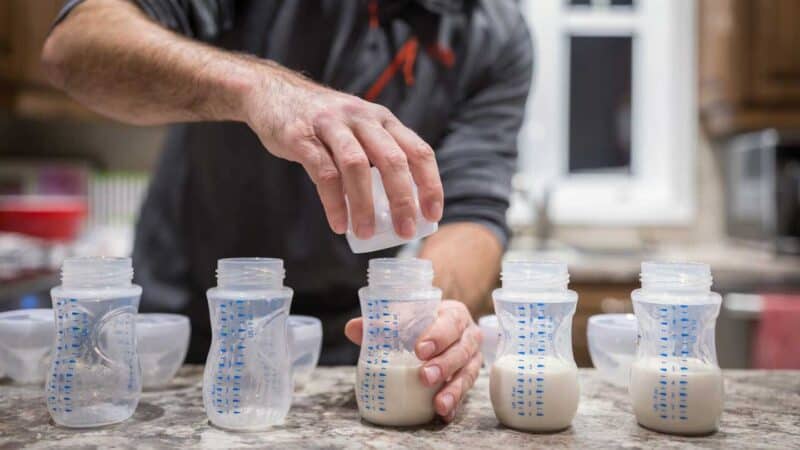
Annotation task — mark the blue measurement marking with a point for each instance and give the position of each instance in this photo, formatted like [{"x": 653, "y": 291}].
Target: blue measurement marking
[
  {"x": 382, "y": 337},
  {"x": 224, "y": 384},
  {"x": 72, "y": 326},
  {"x": 533, "y": 336}
]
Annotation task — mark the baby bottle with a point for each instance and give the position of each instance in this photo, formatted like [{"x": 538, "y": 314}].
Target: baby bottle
[
  {"x": 676, "y": 384},
  {"x": 533, "y": 383},
  {"x": 247, "y": 382},
  {"x": 385, "y": 236},
  {"x": 397, "y": 305},
  {"x": 94, "y": 376}
]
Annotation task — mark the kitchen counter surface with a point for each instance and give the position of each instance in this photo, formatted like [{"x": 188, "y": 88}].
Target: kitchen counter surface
[{"x": 762, "y": 410}]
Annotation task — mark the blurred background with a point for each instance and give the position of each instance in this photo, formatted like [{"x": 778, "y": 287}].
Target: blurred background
[{"x": 656, "y": 129}]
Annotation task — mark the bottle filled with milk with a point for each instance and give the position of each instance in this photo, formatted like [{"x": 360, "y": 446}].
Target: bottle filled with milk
[
  {"x": 397, "y": 305},
  {"x": 533, "y": 382},
  {"x": 676, "y": 384}
]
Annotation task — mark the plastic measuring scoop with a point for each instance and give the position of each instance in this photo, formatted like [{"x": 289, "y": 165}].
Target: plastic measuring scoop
[
  {"x": 26, "y": 341},
  {"x": 384, "y": 236}
]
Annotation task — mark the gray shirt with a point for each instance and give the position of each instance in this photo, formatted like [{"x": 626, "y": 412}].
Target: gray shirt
[{"x": 218, "y": 193}]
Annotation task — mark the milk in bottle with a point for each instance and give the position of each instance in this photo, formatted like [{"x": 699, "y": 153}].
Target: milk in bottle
[
  {"x": 676, "y": 385},
  {"x": 397, "y": 305},
  {"x": 534, "y": 381}
]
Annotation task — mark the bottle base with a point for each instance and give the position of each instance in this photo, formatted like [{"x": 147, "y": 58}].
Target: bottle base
[
  {"x": 403, "y": 423},
  {"x": 537, "y": 430},
  {"x": 245, "y": 428},
  {"x": 675, "y": 432},
  {"x": 95, "y": 416}
]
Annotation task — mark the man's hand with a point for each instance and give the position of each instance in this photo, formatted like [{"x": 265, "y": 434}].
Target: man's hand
[
  {"x": 111, "y": 57},
  {"x": 335, "y": 136},
  {"x": 450, "y": 351}
]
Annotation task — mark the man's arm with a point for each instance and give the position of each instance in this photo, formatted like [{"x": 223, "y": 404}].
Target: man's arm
[
  {"x": 110, "y": 56},
  {"x": 466, "y": 260},
  {"x": 477, "y": 159}
]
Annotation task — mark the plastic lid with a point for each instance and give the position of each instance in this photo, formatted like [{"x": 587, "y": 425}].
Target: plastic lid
[
  {"x": 148, "y": 324},
  {"x": 154, "y": 320},
  {"x": 489, "y": 322},
  {"x": 614, "y": 323},
  {"x": 24, "y": 317},
  {"x": 304, "y": 327}
]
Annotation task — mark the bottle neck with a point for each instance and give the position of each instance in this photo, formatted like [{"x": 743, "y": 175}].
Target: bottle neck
[
  {"x": 96, "y": 272},
  {"x": 683, "y": 277},
  {"x": 400, "y": 272},
  {"x": 250, "y": 273},
  {"x": 534, "y": 276}
]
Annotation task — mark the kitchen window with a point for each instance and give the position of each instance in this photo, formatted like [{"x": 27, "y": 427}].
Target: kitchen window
[{"x": 610, "y": 129}]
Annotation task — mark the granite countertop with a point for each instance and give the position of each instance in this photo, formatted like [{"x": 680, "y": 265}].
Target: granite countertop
[{"x": 762, "y": 410}]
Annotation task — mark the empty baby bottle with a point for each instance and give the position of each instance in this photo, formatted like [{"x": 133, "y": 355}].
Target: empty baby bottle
[
  {"x": 533, "y": 383},
  {"x": 397, "y": 305},
  {"x": 247, "y": 381},
  {"x": 676, "y": 385},
  {"x": 385, "y": 236},
  {"x": 94, "y": 375}
]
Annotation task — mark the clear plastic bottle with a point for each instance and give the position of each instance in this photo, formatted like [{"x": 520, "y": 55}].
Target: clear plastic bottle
[
  {"x": 676, "y": 384},
  {"x": 94, "y": 376},
  {"x": 533, "y": 383},
  {"x": 397, "y": 305},
  {"x": 384, "y": 236},
  {"x": 247, "y": 382}
]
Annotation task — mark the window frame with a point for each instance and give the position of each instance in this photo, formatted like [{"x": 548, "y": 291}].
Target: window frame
[{"x": 659, "y": 189}]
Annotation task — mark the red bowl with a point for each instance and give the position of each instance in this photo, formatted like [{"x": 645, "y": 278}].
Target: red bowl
[{"x": 47, "y": 217}]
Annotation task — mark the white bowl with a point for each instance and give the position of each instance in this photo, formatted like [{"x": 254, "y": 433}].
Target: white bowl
[
  {"x": 162, "y": 342},
  {"x": 612, "y": 346},
  {"x": 490, "y": 328},
  {"x": 305, "y": 343},
  {"x": 26, "y": 343}
]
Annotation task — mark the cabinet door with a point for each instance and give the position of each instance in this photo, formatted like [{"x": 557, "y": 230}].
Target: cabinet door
[
  {"x": 776, "y": 52},
  {"x": 5, "y": 39}
]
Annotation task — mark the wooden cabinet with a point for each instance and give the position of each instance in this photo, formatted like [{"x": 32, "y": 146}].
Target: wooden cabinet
[
  {"x": 24, "y": 26},
  {"x": 749, "y": 64}
]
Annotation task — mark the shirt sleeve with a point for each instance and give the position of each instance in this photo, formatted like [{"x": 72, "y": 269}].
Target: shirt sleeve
[
  {"x": 478, "y": 155},
  {"x": 199, "y": 19}
]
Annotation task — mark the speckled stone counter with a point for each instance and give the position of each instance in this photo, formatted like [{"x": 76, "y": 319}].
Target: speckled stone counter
[{"x": 762, "y": 410}]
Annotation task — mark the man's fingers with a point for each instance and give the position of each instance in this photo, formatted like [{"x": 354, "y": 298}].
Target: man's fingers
[
  {"x": 323, "y": 172},
  {"x": 309, "y": 151},
  {"x": 392, "y": 163},
  {"x": 422, "y": 161},
  {"x": 453, "y": 359},
  {"x": 450, "y": 396},
  {"x": 453, "y": 318},
  {"x": 353, "y": 166},
  {"x": 354, "y": 329}
]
